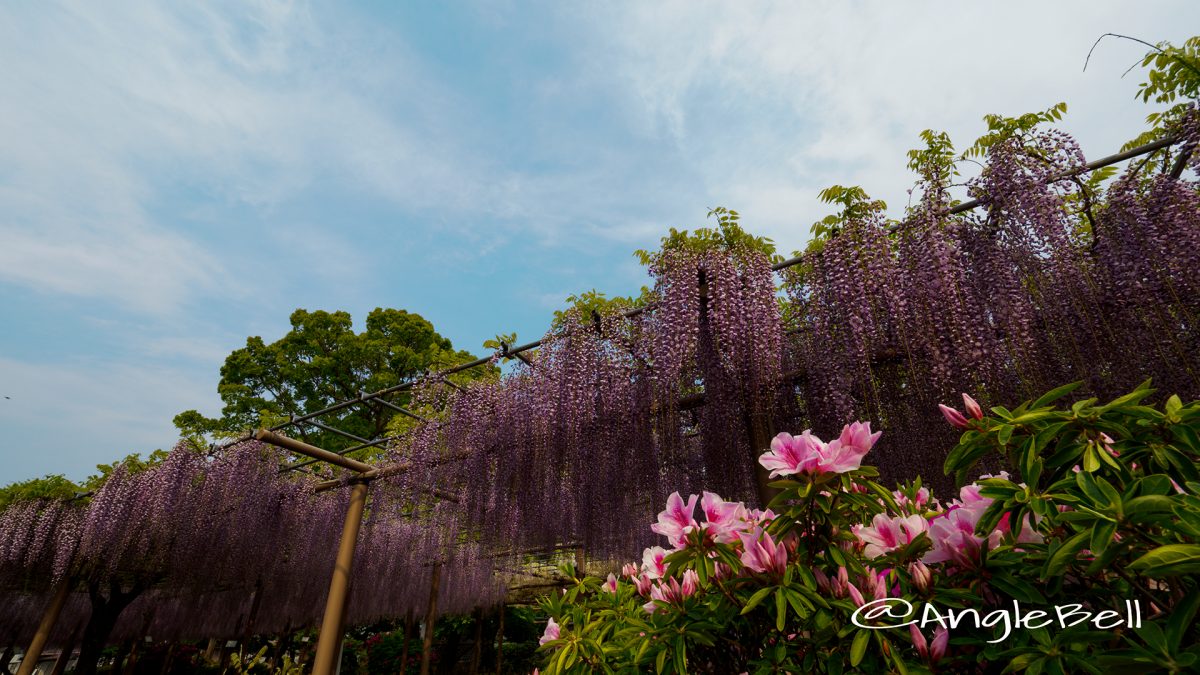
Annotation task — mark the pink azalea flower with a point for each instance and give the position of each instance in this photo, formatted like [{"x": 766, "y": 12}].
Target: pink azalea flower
[
  {"x": 761, "y": 553},
  {"x": 676, "y": 520},
  {"x": 808, "y": 455},
  {"x": 792, "y": 454},
  {"x": 653, "y": 562},
  {"x": 953, "y": 536},
  {"x": 551, "y": 632},
  {"x": 857, "y": 437},
  {"x": 724, "y": 519},
  {"x": 888, "y": 534},
  {"x": 610, "y": 585},
  {"x": 670, "y": 591},
  {"x": 629, "y": 570},
  {"x": 760, "y": 517}
]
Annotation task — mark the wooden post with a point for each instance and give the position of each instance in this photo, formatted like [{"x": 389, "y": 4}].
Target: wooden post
[
  {"x": 30, "y": 659},
  {"x": 500, "y": 640},
  {"x": 580, "y": 563},
  {"x": 430, "y": 617},
  {"x": 210, "y": 654},
  {"x": 408, "y": 631},
  {"x": 335, "y": 605}
]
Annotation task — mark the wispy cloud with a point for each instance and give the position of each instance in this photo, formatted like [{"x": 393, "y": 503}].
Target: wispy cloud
[
  {"x": 771, "y": 102},
  {"x": 67, "y": 417}
]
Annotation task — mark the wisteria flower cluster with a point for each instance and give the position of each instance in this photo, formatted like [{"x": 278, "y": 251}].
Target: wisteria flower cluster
[{"x": 1098, "y": 516}]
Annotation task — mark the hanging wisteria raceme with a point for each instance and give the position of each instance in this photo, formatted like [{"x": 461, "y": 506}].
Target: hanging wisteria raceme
[
  {"x": 884, "y": 321},
  {"x": 220, "y": 547},
  {"x": 1041, "y": 288}
]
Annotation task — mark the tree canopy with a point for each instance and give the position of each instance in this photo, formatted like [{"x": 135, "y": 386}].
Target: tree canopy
[{"x": 320, "y": 361}]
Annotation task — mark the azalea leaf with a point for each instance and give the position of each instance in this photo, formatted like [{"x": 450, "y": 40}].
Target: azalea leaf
[
  {"x": 1169, "y": 560},
  {"x": 858, "y": 648},
  {"x": 1054, "y": 394},
  {"x": 1065, "y": 554}
]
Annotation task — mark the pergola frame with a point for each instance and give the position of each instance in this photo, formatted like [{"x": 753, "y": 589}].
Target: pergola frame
[{"x": 332, "y": 625}]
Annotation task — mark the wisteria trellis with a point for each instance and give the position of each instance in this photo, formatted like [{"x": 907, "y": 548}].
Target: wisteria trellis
[{"x": 883, "y": 323}]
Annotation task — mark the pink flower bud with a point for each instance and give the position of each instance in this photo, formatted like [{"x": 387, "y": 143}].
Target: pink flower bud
[
  {"x": 610, "y": 585},
  {"x": 937, "y": 649},
  {"x": 972, "y": 407},
  {"x": 855, "y": 595},
  {"x": 691, "y": 581},
  {"x": 644, "y": 584},
  {"x": 822, "y": 580},
  {"x": 629, "y": 570},
  {"x": 953, "y": 416},
  {"x": 921, "y": 576},
  {"x": 919, "y": 641}
]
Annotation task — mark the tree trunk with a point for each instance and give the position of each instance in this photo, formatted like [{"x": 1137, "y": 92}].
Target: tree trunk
[
  {"x": 477, "y": 654},
  {"x": 105, "y": 612},
  {"x": 123, "y": 653},
  {"x": 408, "y": 631},
  {"x": 500, "y": 640}
]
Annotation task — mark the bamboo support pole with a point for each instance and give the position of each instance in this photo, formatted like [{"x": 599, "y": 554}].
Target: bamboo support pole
[
  {"x": 311, "y": 451},
  {"x": 30, "y": 660},
  {"x": 435, "y": 578},
  {"x": 335, "y": 605}
]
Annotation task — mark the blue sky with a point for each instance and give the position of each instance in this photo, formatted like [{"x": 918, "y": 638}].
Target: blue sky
[{"x": 177, "y": 176}]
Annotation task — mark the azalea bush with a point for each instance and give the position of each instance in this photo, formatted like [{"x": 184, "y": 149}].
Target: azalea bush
[{"x": 1082, "y": 557}]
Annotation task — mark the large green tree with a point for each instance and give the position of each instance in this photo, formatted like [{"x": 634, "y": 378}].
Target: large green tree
[{"x": 320, "y": 361}]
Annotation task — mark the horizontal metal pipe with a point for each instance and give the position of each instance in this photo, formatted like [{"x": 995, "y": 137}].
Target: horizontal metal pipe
[
  {"x": 300, "y": 447},
  {"x": 401, "y": 410},
  {"x": 339, "y": 432}
]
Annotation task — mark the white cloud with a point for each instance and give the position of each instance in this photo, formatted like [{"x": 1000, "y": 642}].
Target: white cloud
[
  {"x": 112, "y": 114},
  {"x": 771, "y": 102},
  {"x": 68, "y": 417}
]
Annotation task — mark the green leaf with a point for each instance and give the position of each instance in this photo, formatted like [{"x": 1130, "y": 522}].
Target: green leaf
[
  {"x": 1055, "y": 394},
  {"x": 1004, "y": 432},
  {"x": 755, "y": 599},
  {"x": 1180, "y": 619},
  {"x": 1169, "y": 560},
  {"x": 1018, "y": 588},
  {"x": 858, "y": 648},
  {"x": 1064, "y": 555},
  {"x": 780, "y": 609},
  {"x": 1102, "y": 535},
  {"x": 1148, "y": 505}
]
